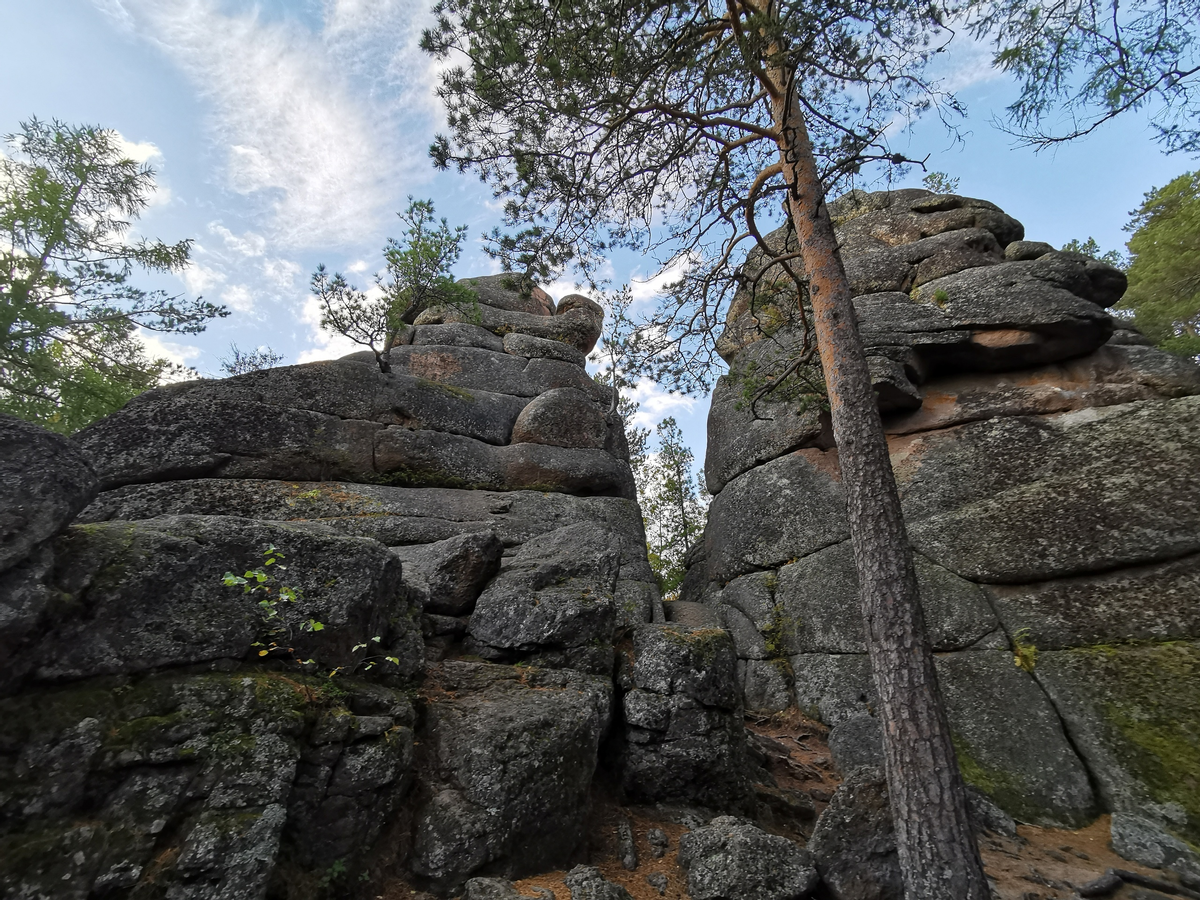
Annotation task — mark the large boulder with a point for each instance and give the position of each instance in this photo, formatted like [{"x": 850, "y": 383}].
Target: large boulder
[
  {"x": 730, "y": 859},
  {"x": 507, "y": 756},
  {"x": 563, "y": 417},
  {"x": 552, "y": 603},
  {"x": 854, "y": 842},
  {"x": 124, "y": 598},
  {"x": 1008, "y": 735},
  {"x": 446, "y": 577},
  {"x": 45, "y": 480},
  {"x": 1027, "y": 498},
  {"x": 1133, "y": 712},
  {"x": 196, "y": 786},
  {"x": 785, "y": 509},
  {"x": 683, "y": 738}
]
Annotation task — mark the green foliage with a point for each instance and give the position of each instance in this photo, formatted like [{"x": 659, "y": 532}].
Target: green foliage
[
  {"x": 68, "y": 311},
  {"x": 940, "y": 183},
  {"x": 1084, "y": 62},
  {"x": 268, "y": 592},
  {"x": 1090, "y": 248},
  {"x": 1164, "y": 269},
  {"x": 672, "y": 510},
  {"x": 416, "y": 276},
  {"x": 239, "y": 362}
]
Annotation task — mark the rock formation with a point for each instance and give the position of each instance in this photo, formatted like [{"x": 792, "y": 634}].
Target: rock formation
[
  {"x": 318, "y": 623},
  {"x": 1046, "y": 457}
]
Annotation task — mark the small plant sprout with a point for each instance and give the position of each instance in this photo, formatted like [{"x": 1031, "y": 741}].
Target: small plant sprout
[
  {"x": 264, "y": 585},
  {"x": 1025, "y": 654}
]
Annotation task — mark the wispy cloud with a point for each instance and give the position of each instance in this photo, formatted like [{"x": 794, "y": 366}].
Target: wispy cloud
[{"x": 307, "y": 118}]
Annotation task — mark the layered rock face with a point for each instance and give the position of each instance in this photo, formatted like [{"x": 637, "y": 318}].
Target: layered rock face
[
  {"x": 1046, "y": 458},
  {"x": 319, "y": 622}
]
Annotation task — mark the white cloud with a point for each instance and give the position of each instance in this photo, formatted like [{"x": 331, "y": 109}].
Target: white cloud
[
  {"x": 248, "y": 244},
  {"x": 654, "y": 286},
  {"x": 656, "y": 404},
  {"x": 282, "y": 273},
  {"x": 199, "y": 278},
  {"x": 239, "y": 298},
  {"x": 300, "y": 129},
  {"x": 157, "y": 348}
]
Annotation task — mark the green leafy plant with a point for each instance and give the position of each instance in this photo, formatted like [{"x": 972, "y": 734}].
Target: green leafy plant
[{"x": 262, "y": 584}]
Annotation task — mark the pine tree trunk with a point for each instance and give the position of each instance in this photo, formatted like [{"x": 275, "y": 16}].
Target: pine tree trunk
[{"x": 938, "y": 854}]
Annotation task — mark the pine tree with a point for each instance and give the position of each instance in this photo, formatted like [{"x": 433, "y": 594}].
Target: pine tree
[{"x": 648, "y": 123}]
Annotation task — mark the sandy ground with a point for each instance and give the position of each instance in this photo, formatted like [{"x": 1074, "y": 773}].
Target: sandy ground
[{"x": 1038, "y": 864}]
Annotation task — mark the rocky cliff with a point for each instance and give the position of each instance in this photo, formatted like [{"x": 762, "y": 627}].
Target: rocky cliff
[
  {"x": 274, "y": 634},
  {"x": 1046, "y": 457}
]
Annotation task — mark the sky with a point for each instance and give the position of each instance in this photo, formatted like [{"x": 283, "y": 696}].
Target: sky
[{"x": 288, "y": 133}]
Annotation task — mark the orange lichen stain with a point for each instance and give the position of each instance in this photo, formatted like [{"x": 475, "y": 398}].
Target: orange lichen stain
[
  {"x": 433, "y": 364},
  {"x": 1005, "y": 337},
  {"x": 824, "y": 461}
]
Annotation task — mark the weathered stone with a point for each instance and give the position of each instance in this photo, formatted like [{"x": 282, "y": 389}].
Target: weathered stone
[
  {"x": 730, "y": 859},
  {"x": 626, "y": 847},
  {"x": 819, "y": 600},
  {"x": 111, "y": 615},
  {"x": 742, "y": 435},
  {"x": 563, "y": 417},
  {"x": 902, "y": 267},
  {"x": 854, "y": 843},
  {"x": 1020, "y": 250},
  {"x": 1010, "y": 740},
  {"x": 491, "y": 889},
  {"x": 45, "y": 480},
  {"x": 1142, "y": 840},
  {"x": 555, "y": 595},
  {"x": 1027, "y": 499},
  {"x": 866, "y": 222},
  {"x": 586, "y": 883},
  {"x": 447, "y": 577},
  {"x": 1023, "y": 313},
  {"x": 574, "y": 325},
  {"x": 766, "y": 684},
  {"x": 457, "y": 335},
  {"x": 1133, "y": 712},
  {"x": 684, "y": 740},
  {"x": 474, "y": 369},
  {"x": 1155, "y": 602},
  {"x": 690, "y": 615},
  {"x": 511, "y": 753},
  {"x": 1031, "y": 771},
  {"x": 433, "y": 459},
  {"x": 511, "y": 292},
  {"x": 316, "y": 420},
  {"x": 1110, "y": 376},
  {"x": 783, "y": 510},
  {"x": 856, "y": 742},
  {"x": 194, "y": 785},
  {"x": 542, "y": 348},
  {"x": 391, "y": 515}
]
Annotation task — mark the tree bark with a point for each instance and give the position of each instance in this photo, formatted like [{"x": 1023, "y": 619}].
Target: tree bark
[{"x": 939, "y": 857}]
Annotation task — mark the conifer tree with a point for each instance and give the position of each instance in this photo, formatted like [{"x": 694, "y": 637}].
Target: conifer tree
[{"x": 660, "y": 123}]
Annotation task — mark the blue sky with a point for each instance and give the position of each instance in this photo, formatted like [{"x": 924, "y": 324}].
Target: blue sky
[{"x": 289, "y": 132}]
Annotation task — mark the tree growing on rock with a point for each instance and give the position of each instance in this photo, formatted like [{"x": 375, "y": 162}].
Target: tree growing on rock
[
  {"x": 660, "y": 124},
  {"x": 69, "y": 313},
  {"x": 416, "y": 275}
]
